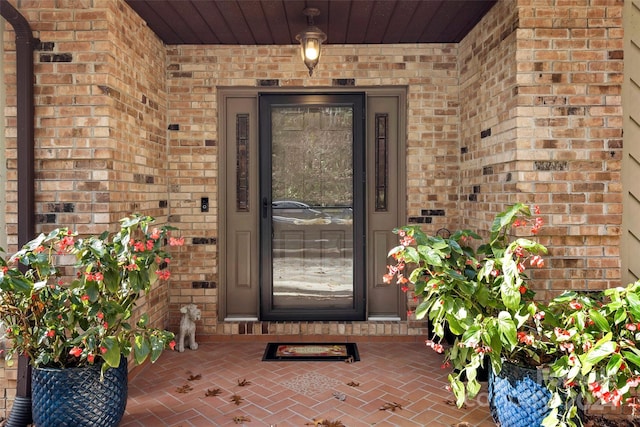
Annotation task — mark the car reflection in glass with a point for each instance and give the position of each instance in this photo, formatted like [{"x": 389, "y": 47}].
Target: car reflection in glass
[{"x": 294, "y": 212}]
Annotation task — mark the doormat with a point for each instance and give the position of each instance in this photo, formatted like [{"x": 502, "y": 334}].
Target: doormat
[{"x": 277, "y": 351}]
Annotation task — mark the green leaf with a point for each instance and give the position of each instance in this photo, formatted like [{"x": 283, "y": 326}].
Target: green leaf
[
  {"x": 112, "y": 355},
  {"x": 634, "y": 304},
  {"x": 599, "y": 320},
  {"x": 140, "y": 349},
  {"x": 614, "y": 364},
  {"x": 603, "y": 348},
  {"x": 157, "y": 346},
  {"x": 620, "y": 316},
  {"x": 633, "y": 357},
  {"x": 507, "y": 329},
  {"x": 551, "y": 420},
  {"x": 422, "y": 309},
  {"x": 473, "y": 387},
  {"x": 458, "y": 390},
  {"x": 430, "y": 255}
]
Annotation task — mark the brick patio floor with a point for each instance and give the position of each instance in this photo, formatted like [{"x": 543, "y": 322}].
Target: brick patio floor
[{"x": 297, "y": 393}]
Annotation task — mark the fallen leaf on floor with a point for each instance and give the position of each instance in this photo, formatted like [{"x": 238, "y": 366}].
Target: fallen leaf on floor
[
  {"x": 325, "y": 423},
  {"x": 390, "y": 406},
  {"x": 353, "y": 384},
  {"x": 462, "y": 424},
  {"x": 452, "y": 403},
  {"x": 194, "y": 377},
  {"x": 212, "y": 392},
  {"x": 241, "y": 419},
  {"x": 340, "y": 396},
  {"x": 184, "y": 389},
  {"x": 236, "y": 399},
  {"x": 243, "y": 382}
]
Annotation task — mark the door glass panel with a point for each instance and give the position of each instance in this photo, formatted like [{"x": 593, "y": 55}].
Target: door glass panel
[{"x": 312, "y": 207}]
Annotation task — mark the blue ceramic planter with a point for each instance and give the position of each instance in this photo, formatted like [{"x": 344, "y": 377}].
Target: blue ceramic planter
[{"x": 75, "y": 397}]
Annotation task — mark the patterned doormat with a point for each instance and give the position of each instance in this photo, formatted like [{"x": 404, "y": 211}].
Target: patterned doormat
[{"x": 311, "y": 352}]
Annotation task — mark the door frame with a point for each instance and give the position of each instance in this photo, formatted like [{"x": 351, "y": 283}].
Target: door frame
[
  {"x": 227, "y": 92},
  {"x": 356, "y": 100}
]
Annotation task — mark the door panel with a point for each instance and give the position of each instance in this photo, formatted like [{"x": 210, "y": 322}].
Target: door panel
[
  {"x": 241, "y": 236},
  {"x": 385, "y": 201},
  {"x": 313, "y": 209}
]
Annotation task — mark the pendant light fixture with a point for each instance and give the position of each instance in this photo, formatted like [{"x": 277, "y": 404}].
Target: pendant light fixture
[{"x": 311, "y": 40}]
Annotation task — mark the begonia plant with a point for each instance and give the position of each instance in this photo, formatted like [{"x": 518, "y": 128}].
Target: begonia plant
[
  {"x": 68, "y": 301},
  {"x": 479, "y": 293}
]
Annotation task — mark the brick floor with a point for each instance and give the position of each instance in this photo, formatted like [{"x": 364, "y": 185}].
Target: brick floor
[{"x": 297, "y": 393}]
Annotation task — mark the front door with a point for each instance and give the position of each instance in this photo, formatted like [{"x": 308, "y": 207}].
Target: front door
[
  {"x": 312, "y": 263},
  {"x": 306, "y": 207}
]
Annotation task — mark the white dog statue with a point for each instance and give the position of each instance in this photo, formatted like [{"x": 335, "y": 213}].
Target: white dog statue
[{"x": 190, "y": 314}]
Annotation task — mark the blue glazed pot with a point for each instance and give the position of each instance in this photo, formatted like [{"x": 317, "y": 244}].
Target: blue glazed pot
[
  {"x": 75, "y": 397},
  {"x": 518, "y": 396}
]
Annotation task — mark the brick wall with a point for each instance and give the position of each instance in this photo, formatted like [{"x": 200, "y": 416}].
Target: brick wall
[{"x": 193, "y": 74}]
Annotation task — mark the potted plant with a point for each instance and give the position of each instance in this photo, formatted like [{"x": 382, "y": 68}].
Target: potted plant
[
  {"x": 584, "y": 345},
  {"x": 67, "y": 302}
]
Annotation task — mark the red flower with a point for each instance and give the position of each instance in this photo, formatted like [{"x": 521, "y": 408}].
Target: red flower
[
  {"x": 524, "y": 338},
  {"x": 103, "y": 350},
  {"x": 51, "y": 333},
  {"x": 90, "y": 357},
  {"x": 172, "y": 345},
  {"x": 575, "y": 305},
  {"x": 75, "y": 351},
  {"x": 84, "y": 297},
  {"x": 523, "y": 289}
]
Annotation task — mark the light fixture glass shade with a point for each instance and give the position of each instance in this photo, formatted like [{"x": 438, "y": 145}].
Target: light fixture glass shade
[{"x": 311, "y": 40}]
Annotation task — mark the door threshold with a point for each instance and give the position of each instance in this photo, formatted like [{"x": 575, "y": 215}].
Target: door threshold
[{"x": 384, "y": 319}]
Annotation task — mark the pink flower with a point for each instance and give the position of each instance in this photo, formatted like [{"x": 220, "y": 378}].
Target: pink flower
[
  {"x": 407, "y": 241},
  {"x": 173, "y": 241},
  {"x": 537, "y": 261},
  {"x": 163, "y": 274},
  {"x": 75, "y": 351},
  {"x": 155, "y": 234},
  {"x": 437, "y": 347}
]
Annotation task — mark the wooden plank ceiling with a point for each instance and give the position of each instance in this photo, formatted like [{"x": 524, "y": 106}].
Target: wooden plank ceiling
[{"x": 276, "y": 22}]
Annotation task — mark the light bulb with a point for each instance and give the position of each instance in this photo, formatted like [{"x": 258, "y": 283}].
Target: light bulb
[{"x": 311, "y": 50}]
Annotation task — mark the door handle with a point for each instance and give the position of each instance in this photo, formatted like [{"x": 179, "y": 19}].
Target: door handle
[{"x": 265, "y": 207}]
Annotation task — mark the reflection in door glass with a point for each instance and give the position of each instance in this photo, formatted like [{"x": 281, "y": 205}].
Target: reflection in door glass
[{"x": 312, "y": 209}]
